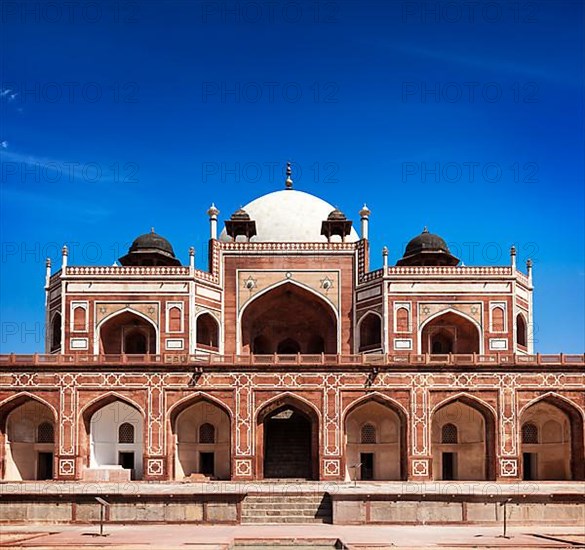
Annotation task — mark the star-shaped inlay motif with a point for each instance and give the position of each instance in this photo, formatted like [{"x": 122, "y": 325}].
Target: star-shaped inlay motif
[
  {"x": 326, "y": 284},
  {"x": 250, "y": 283}
]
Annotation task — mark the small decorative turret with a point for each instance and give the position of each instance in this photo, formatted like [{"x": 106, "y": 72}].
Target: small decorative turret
[
  {"x": 288, "y": 183},
  {"x": 192, "y": 257},
  {"x": 47, "y": 272},
  {"x": 336, "y": 224},
  {"x": 213, "y": 212},
  {"x": 529, "y": 270},
  {"x": 513, "y": 258},
  {"x": 365, "y": 217},
  {"x": 240, "y": 223},
  {"x": 64, "y": 254},
  {"x": 385, "y": 258}
]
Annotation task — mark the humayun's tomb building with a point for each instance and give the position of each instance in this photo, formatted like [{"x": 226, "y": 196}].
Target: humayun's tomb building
[{"x": 289, "y": 359}]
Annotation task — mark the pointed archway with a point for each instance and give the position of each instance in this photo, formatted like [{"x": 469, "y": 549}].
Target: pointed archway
[
  {"x": 200, "y": 441},
  {"x": 27, "y": 435},
  {"x": 551, "y": 438},
  {"x": 375, "y": 440},
  {"x": 450, "y": 332},
  {"x": 463, "y": 440},
  {"x": 287, "y": 439},
  {"x": 127, "y": 332},
  {"x": 288, "y": 319},
  {"x": 111, "y": 436}
]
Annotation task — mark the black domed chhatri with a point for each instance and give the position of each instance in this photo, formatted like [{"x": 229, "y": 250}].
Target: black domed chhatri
[
  {"x": 150, "y": 249},
  {"x": 427, "y": 249}
]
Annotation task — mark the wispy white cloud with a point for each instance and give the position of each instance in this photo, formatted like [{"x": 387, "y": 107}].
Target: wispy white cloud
[
  {"x": 58, "y": 170},
  {"x": 484, "y": 62},
  {"x": 28, "y": 200}
]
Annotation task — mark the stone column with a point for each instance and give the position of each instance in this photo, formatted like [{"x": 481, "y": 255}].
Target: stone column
[
  {"x": 508, "y": 450},
  {"x": 155, "y": 448},
  {"x": 243, "y": 444},
  {"x": 419, "y": 454}
]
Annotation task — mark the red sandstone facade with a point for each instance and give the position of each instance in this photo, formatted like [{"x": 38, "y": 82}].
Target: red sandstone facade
[{"x": 290, "y": 359}]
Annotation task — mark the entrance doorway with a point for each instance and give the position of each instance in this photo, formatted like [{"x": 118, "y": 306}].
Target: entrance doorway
[
  {"x": 126, "y": 460},
  {"x": 206, "y": 463},
  {"x": 287, "y": 445},
  {"x": 45, "y": 466},
  {"x": 367, "y": 468},
  {"x": 529, "y": 466},
  {"x": 449, "y": 466}
]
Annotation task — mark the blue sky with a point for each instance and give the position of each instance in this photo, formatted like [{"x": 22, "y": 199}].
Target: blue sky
[{"x": 464, "y": 117}]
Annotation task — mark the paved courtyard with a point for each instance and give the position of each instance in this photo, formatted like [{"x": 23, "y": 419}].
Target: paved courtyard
[
  {"x": 476, "y": 488},
  {"x": 171, "y": 537}
]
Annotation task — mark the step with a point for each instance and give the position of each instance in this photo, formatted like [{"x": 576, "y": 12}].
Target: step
[
  {"x": 284, "y": 513},
  {"x": 284, "y": 519},
  {"x": 274, "y": 508},
  {"x": 286, "y": 507},
  {"x": 275, "y": 497},
  {"x": 284, "y": 498},
  {"x": 269, "y": 505}
]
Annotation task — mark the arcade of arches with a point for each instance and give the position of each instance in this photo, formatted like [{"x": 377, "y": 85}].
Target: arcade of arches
[
  {"x": 289, "y": 439},
  {"x": 289, "y": 320}
]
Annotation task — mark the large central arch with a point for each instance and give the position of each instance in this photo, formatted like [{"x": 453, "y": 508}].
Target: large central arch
[
  {"x": 287, "y": 439},
  {"x": 288, "y": 319},
  {"x": 450, "y": 332},
  {"x": 127, "y": 331}
]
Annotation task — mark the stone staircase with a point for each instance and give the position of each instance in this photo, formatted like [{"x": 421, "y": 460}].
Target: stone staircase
[{"x": 282, "y": 508}]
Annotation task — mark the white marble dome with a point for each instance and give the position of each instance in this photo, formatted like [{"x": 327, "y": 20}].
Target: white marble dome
[{"x": 289, "y": 216}]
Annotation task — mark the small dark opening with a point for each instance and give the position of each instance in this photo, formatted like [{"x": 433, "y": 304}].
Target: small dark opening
[
  {"x": 126, "y": 460},
  {"x": 448, "y": 466},
  {"x": 45, "y": 466},
  {"x": 206, "y": 463},
  {"x": 367, "y": 468},
  {"x": 529, "y": 466},
  {"x": 135, "y": 343},
  {"x": 288, "y": 347}
]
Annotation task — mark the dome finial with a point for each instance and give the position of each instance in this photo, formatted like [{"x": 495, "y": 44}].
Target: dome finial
[
  {"x": 425, "y": 229},
  {"x": 288, "y": 183},
  {"x": 152, "y": 230}
]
